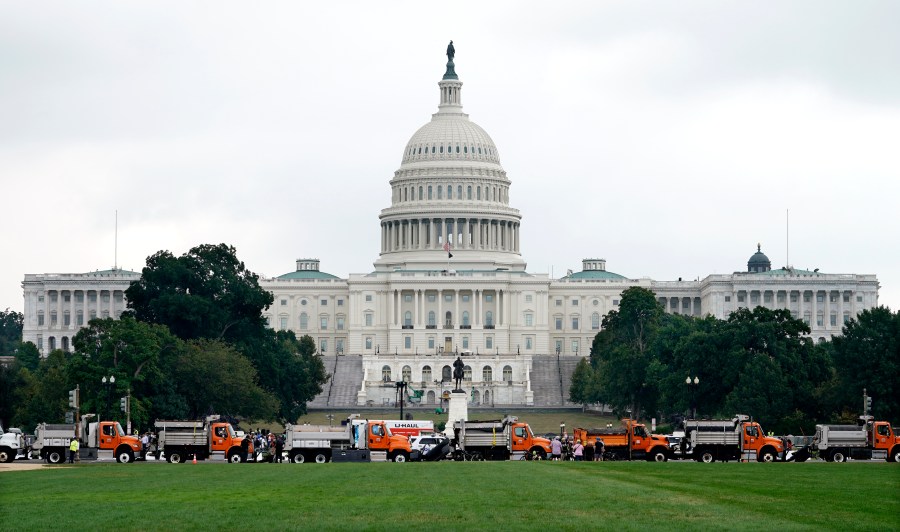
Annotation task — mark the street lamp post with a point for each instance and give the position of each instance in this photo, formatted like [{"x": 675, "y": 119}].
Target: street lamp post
[
  {"x": 692, "y": 383},
  {"x": 109, "y": 384}
]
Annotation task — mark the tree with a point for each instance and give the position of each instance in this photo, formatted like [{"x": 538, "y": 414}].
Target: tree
[
  {"x": 582, "y": 389},
  {"x": 28, "y": 355},
  {"x": 868, "y": 356},
  {"x": 43, "y": 396},
  {"x": 10, "y": 331},
  {"x": 621, "y": 352},
  {"x": 205, "y": 293},
  {"x": 215, "y": 379},
  {"x": 139, "y": 355},
  {"x": 209, "y": 294},
  {"x": 289, "y": 369}
]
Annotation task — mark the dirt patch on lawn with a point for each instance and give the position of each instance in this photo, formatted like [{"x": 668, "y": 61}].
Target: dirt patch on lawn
[{"x": 22, "y": 466}]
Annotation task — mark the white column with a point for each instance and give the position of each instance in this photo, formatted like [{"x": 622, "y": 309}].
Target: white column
[
  {"x": 456, "y": 317},
  {"x": 476, "y": 307}
]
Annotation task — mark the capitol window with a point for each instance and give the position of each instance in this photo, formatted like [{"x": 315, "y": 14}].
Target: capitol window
[
  {"x": 528, "y": 298},
  {"x": 529, "y": 319},
  {"x": 340, "y": 323},
  {"x": 340, "y": 302},
  {"x": 448, "y": 297},
  {"x": 529, "y": 343},
  {"x": 303, "y": 302},
  {"x": 465, "y": 342},
  {"x": 559, "y": 324},
  {"x": 574, "y": 302},
  {"x": 368, "y": 319},
  {"x": 324, "y": 302},
  {"x": 407, "y": 297},
  {"x": 457, "y": 148},
  {"x": 429, "y": 191},
  {"x": 283, "y": 302},
  {"x": 595, "y": 321},
  {"x": 431, "y": 298},
  {"x": 559, "y": 302},
  {"x": 489, "y": 298},
  {"x": 368, "y": 342},
  {"x": 368, "y": 297},
  {"x": 859, "y": 299},
  {"x": 469, "y": 192},
  {"x": 489, "y": 342},
  {"x": 465, "y": 298},
  {"x": 323, "y": 322}
]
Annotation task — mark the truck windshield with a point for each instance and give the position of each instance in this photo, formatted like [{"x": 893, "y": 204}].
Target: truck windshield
[
  {"x": 119, "y": 430},
  {"x": 641, "y": 432}
]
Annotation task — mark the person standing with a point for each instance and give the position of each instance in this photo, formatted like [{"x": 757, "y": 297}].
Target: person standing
[
  {"x": 279, "y": 447},
  {"x": 555, "y": 449},
  {"x": 73, "y": 450},
  {"x": 598, "y": 450},
  {"x": 578, "y": 451},
  {"x": 145, "y": 444}
]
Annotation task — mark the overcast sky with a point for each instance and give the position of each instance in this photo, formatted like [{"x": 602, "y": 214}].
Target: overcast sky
[{"x": 666, "y": 137}]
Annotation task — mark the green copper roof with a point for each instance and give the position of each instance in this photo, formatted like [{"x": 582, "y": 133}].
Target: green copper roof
[
  {"x": 595, "y": 274},
  {"x": 792, "y": 271},
  {"x": 307, "y": 274},
  {"x": 116, "y": 271}
]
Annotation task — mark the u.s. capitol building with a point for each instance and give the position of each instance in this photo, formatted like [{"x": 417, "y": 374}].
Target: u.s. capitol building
[{"x": 519, "y": 333}]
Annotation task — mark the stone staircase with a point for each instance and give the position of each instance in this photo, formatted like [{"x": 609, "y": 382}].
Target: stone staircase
[
  {"x": 551, "y": 377},
  {"x": 346, "y": 374}
]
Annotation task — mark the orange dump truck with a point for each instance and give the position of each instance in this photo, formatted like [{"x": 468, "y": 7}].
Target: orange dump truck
[
  {"x": 870, "y": 440},
  {"x": 709, "y": 440},
  {"x": 183, "y": 440},
  {"x": 356, "y": 440},
  {"x": 496, "y": 440},
  {"x": 105, "y": 439},
  {"x": 628, "y": 442}
]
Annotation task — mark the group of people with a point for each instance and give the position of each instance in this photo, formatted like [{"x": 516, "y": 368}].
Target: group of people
[
  {"x": 267, "y": 445},
  {"x": 564, "y": 448}
]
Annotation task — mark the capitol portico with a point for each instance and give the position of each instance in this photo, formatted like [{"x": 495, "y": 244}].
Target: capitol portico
[{"x": 451, "y": 280}]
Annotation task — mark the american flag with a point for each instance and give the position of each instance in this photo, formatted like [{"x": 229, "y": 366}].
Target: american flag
[{"x": 447, "y": 249}]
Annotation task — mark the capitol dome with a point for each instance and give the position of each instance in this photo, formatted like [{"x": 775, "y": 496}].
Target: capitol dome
[{"x": 450, "y": 197}]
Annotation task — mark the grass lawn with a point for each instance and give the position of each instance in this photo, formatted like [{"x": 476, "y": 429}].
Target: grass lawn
[{"x": 454, "y": 496}]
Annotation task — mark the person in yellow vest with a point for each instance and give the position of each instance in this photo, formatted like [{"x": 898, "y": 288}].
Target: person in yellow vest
[{"x": 73, "y": 450}]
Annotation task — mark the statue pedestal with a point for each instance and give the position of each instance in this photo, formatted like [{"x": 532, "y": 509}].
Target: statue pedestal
[{"x": 457, "y": 410}]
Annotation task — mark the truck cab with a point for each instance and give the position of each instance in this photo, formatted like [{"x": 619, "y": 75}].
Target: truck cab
[
  {"x": 768, "y": 448},
  {"x": 524, "y": 440},
  {"x": 222, "y": 438},
  {"x": 884, "y": 438},
  {"x": 377, "y": 436},
  {"x": 109, "y": 436}
]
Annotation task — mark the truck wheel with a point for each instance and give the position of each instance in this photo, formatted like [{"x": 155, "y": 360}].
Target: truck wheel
[
  {"x": 7, "y": 455},
  {"x": 298, "y": 458},
  {"x": 657, "y": 455},
  {"x": 895, "y": 454},
  {"x": 54, "y": 457},
  {"x": 321, "y": 458},
  {"x": 401, "y": 457},
  {"x": 838, "y": 456},
  {"x": 234, "y": 457},
  {"x": 767, "y": 456},
  {"x": 707, "y": 457},
  {"x": 175, "y": 457},
  {"x": 124, "y": 456}
]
